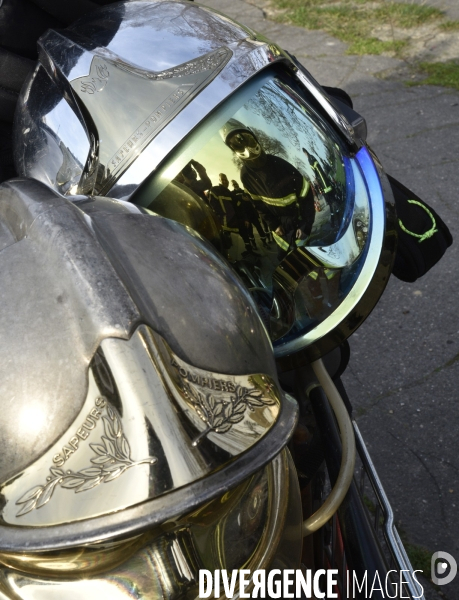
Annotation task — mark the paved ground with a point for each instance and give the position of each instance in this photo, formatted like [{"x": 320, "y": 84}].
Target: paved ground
[{"x": 404, "y": 371}]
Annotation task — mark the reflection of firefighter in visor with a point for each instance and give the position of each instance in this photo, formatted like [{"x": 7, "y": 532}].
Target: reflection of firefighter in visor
[
  {"x": 229, "y": 212},
  {"x": 189, "y": 177},
  {"x": 324, "y": 187},
  {"x": 283, "y": 196}
]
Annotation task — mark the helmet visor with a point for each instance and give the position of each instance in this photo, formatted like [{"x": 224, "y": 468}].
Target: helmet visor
[{"x": 297, "y": 224}]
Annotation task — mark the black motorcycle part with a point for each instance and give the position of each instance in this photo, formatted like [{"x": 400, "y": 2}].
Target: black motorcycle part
[
  {"x": 337, "y": 360},
  {"x": 340, "y": 95}
]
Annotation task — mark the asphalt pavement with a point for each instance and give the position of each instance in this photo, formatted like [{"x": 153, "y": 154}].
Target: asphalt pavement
[{"x": 404, "y": 370}]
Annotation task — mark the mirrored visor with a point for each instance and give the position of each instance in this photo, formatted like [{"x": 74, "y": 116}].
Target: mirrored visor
[{"x": 269, "y": 183}]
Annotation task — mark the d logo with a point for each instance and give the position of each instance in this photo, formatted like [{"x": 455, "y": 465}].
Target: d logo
[{"x": 441, "y": 563}]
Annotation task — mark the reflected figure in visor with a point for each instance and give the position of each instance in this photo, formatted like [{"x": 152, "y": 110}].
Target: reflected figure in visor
[
  {"x": 251, "y": 215},
  {"x": 323, "y": 185},
  {"x": 189, "y": 177},
  {"x": 282, "y": 194},
  {"x": 230, "y": 213}
]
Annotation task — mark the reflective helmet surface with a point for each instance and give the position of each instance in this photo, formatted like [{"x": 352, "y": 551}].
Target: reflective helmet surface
[
  {"x": 105, "y": 88},
  {"x": 167, "y": 453},
  {"x": 124, "y": 100},
  {"x": 130, "y": 433},
  {"x": 124, "y": 392}
]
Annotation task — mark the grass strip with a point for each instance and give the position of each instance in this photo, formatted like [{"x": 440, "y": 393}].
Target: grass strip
[
  {"x": 375, "y": 27},
  {"x": 445, "y": 74},
  {"x": 354, "y": 21}
]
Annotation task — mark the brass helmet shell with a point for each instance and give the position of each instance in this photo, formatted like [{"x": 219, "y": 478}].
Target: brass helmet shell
[{"x": 138, "y": 381}]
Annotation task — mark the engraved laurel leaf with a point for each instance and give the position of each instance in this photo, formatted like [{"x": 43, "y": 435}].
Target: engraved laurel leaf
[
  {"x": 30, "y": 500},
  {"x": 228, "y": 411},
  {"x": 109, "y": 447},
  {"x": 28, "y": 506},
  {"x": 218, "y": 413},
  {"x": 123, "y": 447},
  {"x": 112, "y": 458},
  {"x": 33, "y": 493},
  {"x": 56, "y": 472},
  {"x": 224, "y": 428},
  {"x": 255, "y": 398},
  {"x": 108, "y": 428},
  {"x": 100, "y": 460},
  {"x": 236, "y": 418},
  {"x": 88, "y": 485},
  {"x": 217, "y": 424},
  {"x": 255, "y": 402},
  {"x": 238, "y": 413},
  {"x": 91, "y": 471},
  {"x": 98, "y": 449},
  {"x": 48, "y": 492},
  {"x": 114, "y": 474},
  {"x": 113, "y": 467},
  {"x": 72, "y": 482},
  {"x": 214, "y": 410}
]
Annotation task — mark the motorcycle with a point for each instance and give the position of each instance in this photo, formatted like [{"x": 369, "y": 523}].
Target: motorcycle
[{"x": 172, "y": 348}]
